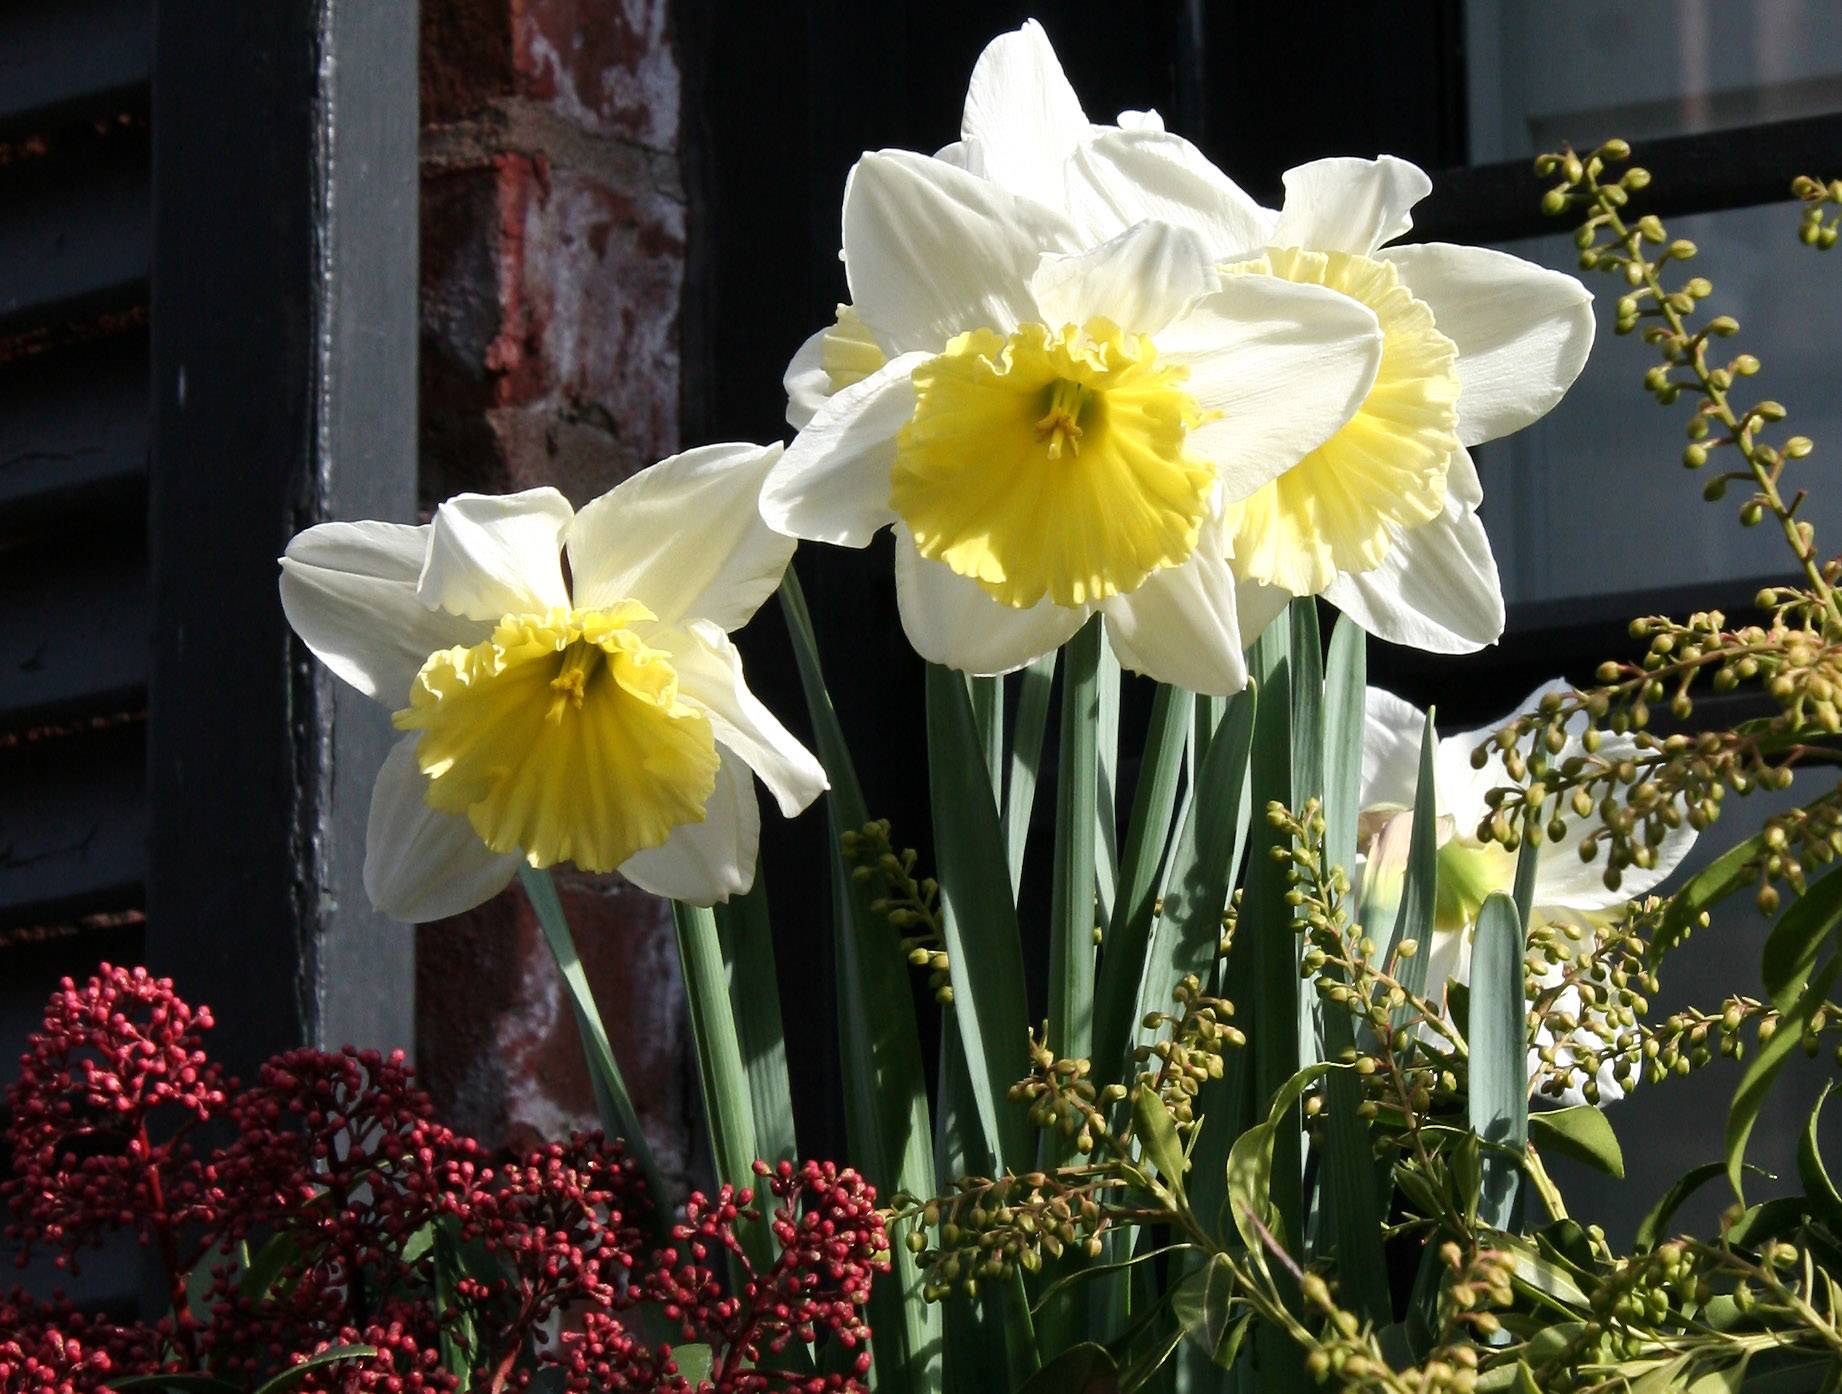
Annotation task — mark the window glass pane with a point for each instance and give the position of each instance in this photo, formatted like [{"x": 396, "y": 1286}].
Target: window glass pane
[{"x": 1539, "y": 73}]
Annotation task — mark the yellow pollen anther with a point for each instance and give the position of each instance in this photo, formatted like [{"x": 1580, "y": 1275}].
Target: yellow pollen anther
[
  {"x": 571, "y": 684},
  {"x": 1061, "y": 424}
]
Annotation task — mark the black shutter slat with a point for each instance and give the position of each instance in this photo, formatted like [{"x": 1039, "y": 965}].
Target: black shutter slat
[
  {"x": 73, "y": 633},
  {"x": 73, "y": 434},
  {"x": 72, "y": 825},
  {"x": 71, "y": 58},
  {"x": 73, "y": 239}
]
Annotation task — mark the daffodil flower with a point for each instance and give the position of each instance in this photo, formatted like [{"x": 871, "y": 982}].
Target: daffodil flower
[
  {"x": 1381, "y": 518},
  {"x": 1568, "y": 891},
  {"x": 1052, "y": 428},
  {"x": 565, "y": 681}
]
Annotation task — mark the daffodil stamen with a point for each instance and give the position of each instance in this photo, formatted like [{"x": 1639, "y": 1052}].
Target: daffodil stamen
[
  {"x": 571, "y": 685},
  {"x": 1052, "y": 463},
  {"x": 1061, "y": 424}
]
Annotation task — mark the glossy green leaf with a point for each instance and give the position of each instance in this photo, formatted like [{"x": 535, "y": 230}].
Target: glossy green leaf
[
  {"x": 1082, "y": 1369},
  {"x": 1819, "y": 1190},
  {"x": 1796, "y": 941},
  {"x": 293, "y": 1375},
  {"x": 1157, "y": 1138},
  {"x": 1499, "y": 1080},
  {"x": 618, "y": 1116},
  {"x": 1655, "y": 1225},
  {"x": 1583, "y": 1133},
  {"x": 1122, "y": 955},
  {"x": 754, "y": 1000},
  {"x": 1034, "y": 686},
  {"x": 693, "y": 1362},
  {"x": 887, "y": 1125},
  {"x": 1250, "y": 1163},
  {"x": 978, "y": 917},
  {"x": 1204, "y": 1304},
  {"x": 1706, "y": 889},
  {"x": 1071, "y": 907},
  {"x": 1763, "y": 1066}
]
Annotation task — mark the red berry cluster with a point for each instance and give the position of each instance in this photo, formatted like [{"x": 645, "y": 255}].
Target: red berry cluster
[{"x": 323, "y": 1217}]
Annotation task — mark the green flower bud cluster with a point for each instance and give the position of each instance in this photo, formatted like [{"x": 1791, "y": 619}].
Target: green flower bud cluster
[
  {"x": 1813, "y": 230},
  {"x": 1610, "y": 243},
  {"x": 1347, "y": 1354},
  {"x": 990, "y": 1228},
  {"x": 1191, "y": 1051},
  {"x": 1062, "y": 1098},
  {"x": 912, "y": 907}
]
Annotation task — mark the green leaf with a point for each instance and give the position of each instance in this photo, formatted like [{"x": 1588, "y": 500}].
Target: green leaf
[
  {"x": 1034, "y": 686},
  {"x": 754, "y": 1000},
  {"x": 1499, "y": 1096},
  {"x": 1308, "y": 763},
  {"x": 1582, "y": 1133},
  {"x": 887, "y": 1126},
  {"x": 1187, "y": 934},
  {"x": 1763, "y": 1067},
  {"x": 1071, "y": 909},
  {"x": 1082, "y": 1369},
  {"x": 1250, "y": 1161},
  {"x": 1157, "y": 1137},
  {"x": 1203, "y": 1303},
  {"x": 979, "y": 917},
  {"x": 1818, "y": 1188},
  {"x": 459, "y": 1334},
  {"x": 693, "y": 1362},
  {"x": 1106, "y": 787},
  {"x": 1346, "y": 678},
  {"x": 1420, "y": 888},
  {"x": 618, "y": 1116},
  {"x": 1706, "y": 889},
  {"x": 987, "y": 696},
  {"x": 1792, "y": 948},
  {"x": 1655, "y": 1224},
  {"x": 294, "y": 1373},
  {"x": 722, "y": 1075},
  {"x": 1122, "y": 956}
]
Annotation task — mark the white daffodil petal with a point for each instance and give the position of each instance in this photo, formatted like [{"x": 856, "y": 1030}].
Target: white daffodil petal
[
  {"x": 1141, "y": 280},
  {"x": 349, "y": 591},
  {"x": 1523, "y": 332},
  {"x": 1257, "y": 606},
  {"x": 1349, "y": 205},
  {"x": 1122, "y": 177},
  {"x": 806, "y": 381},
  {"x": 1285, "y": 365},
  {"x": 931, "y": 250},
  {"x": 1564, "y": 881},
  {"x": 1463, "y": 790},
  {"x": 1437, "y": 589},
  {"x": 1023, "y": 114},
  {"x": 1181, "y": 626},
  {"x": 1391, "y": 732},
  {"x": 421, "y": 865},
  {"x": 951, "y": 620},
  {"x": 497, "y": 554},
  {"x": 832, "y": 485},
  {"x": 704, "y": 863},
  {"x": 630, "y": 544},
  {"x": 710, "y": 675},
  {"x": 1461, "y": 479}
]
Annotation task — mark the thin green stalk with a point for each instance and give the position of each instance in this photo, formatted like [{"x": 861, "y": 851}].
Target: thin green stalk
[{"x": 618, "y": 1116}]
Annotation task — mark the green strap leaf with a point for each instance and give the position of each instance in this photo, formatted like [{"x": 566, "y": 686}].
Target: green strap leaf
[
  {"x": 1499, "y": 1081},
  {"x": 1582, "y": 1133},
  {"x": 887, "y": 1123},
  {"x": 1034, "y": 686},
  {"x": 1762, "y": 1069},
  {"x": 618, "y": 1116},
  {"x": 1071, "y": 910},
  {"x": 1106, "y": 787},
  {"x": 729, "y": 1112},
  {"x": 979, "y": 917},
  {"x": 1420, "y": 888},
  {"x": 1122, "y": 955},
  {"x": 754, "y": 1000},
  {"x": 988, "y": 716}
]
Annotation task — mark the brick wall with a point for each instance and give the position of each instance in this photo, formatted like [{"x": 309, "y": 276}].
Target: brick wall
[{"x": 553, "y": 261}]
